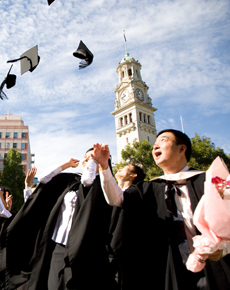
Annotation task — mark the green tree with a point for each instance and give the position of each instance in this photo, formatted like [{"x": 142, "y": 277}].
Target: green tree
[
  {"x": 139, "y": 153},
  {"x": 13, "y": 177},
  {"x": 204, "y": 152}
]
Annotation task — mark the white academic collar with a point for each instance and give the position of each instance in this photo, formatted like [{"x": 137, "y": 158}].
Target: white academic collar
[{"x": 185, "y": 173}]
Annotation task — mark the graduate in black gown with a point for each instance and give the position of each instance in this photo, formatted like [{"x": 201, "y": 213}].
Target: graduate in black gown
[
  {"x": 156, "y": 241},
  {"x": 50, "y": 257}
]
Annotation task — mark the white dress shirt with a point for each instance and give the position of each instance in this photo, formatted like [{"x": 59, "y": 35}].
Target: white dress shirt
[{"x": 65, "y": 216}]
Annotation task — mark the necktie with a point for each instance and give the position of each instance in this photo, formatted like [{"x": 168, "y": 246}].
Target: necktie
[
  {"x": 181, "y": 238},
  {"x": 170, "y": 197}
]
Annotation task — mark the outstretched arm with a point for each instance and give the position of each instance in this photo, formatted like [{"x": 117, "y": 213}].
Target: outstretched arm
[
  {"x": 112, "y": 192},
  {"x": 70, "y": 163}
]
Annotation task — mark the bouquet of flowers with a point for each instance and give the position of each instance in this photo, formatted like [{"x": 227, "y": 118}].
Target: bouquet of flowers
[{"x": 212, "y": 216}]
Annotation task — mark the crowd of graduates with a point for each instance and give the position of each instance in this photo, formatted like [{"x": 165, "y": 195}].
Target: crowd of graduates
[{"x": 96, "y": 231}]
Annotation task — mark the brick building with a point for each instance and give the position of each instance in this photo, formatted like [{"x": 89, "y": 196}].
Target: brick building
[{"x": 14, "y": 134}]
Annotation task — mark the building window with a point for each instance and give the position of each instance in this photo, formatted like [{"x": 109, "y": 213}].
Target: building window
[
  {"x": 130, "y": 72},
  {"x": 126, "y": 120},
  {"x": 140, "y": 116},
  {"x": 130, "y": 118},
  {"x": 0, "y": 145},
  {"x": 127, "y": 140},
  {"x": 23, "y": 145},
  {"x": 23, "y": 135},
  {"x": 144, "y": 118},
  {"x": 23, "y": 156},
  {"x": 121, "y": 122},
  {"x": 15, "y": 145},
  {"x": 7, "y": 145},
  {"x": 149, "y": 119},
  {"x": 15, "y": 135},
  {"x": 123, "y": 74},
  {"x": 0, "y": 134},
  {"x": 7, "y": 134},
  {"x": 5, "y": 154},
  {"x": 148, "y": 139}
]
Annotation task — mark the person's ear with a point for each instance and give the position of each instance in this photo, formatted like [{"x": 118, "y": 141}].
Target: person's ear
[
  {"x": 133, "y": 175},
  {"x": 183, "y": 148}
]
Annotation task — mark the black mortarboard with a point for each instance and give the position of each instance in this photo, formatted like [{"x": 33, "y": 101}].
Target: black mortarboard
[
  {"x": 83, "y": 53},
  {"x": 10, "y": 81},
  {"x": 50, "y": 1},
  {"x": 29, "y": 60}
]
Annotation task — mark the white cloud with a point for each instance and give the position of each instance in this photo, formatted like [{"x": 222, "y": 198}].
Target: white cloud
[{"x": 183, "y": 47}]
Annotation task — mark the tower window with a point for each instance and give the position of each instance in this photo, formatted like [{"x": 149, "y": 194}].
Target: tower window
[
  {"x": 140, "y": 116},
  {"x": 126, "y": 120},
  {"x": 123, "y": 74},
  {"x": 130, "y": 72},
  {"x": 130, "y": 118},
  {"x": 144, "y": 118},
  {"x": 121, "y": 122},
  {"x": 148, "y": 119}
]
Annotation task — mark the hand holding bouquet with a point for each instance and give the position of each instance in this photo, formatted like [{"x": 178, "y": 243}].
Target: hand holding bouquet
[{"x": 212, "y": 216}]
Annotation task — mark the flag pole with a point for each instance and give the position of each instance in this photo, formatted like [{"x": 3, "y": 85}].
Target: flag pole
[
  {"x": 182, "y": 124},
  {"x": 125, "y": 41}
]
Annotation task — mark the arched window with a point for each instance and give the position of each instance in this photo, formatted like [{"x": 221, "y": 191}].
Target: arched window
[{"x": 130, "y": 72}]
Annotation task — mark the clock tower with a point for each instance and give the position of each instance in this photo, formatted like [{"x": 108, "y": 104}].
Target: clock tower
[{"x": 134, "y": 113}]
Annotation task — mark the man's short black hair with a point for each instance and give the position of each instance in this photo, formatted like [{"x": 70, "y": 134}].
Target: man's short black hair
[
  {"x": 140, "y": 173},
  {"x": 181, "y": 138},
  {"x": 90, "y": 149}
]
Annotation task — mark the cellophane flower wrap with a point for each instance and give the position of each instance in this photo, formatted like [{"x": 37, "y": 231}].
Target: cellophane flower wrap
[{"x": 212, "y": 216}]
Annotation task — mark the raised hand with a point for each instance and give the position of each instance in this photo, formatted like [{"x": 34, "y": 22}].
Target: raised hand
[
  {"x": 8, "y": 201},
  {"x": 101, "y": 154},
  {"x": 30, "y": 176},
  {"x": 70, "y": 163}
]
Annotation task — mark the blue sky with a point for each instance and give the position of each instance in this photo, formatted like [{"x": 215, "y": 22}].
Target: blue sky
[{"x": 183, "y": 47}]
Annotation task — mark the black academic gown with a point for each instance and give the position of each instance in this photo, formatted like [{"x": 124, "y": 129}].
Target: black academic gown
[
  {"x": 29, "y": 245},
  {"x": 144, "y": 243}
]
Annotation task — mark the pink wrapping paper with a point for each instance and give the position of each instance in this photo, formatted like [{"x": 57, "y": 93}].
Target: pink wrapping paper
[{"x": 211, "y": 217}]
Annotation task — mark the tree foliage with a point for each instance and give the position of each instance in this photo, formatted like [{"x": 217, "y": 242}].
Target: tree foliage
[
  {"x": 13, "y": 177},
  {"x": 140, "y": 153},
  {"x": 204, "y": 152}
]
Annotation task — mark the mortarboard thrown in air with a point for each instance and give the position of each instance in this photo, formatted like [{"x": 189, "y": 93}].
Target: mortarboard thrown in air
[
  {"x": 50, "y": 1},
  {"x": 9, "y": 81},
  {"x": 83, "y": 53},
  {"x": 29, "y": 60}
]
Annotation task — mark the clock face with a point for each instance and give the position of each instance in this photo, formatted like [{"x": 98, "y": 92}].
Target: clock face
[
  {"x": 139, "y": 94},
  {"x": 125, "y": 96}
]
